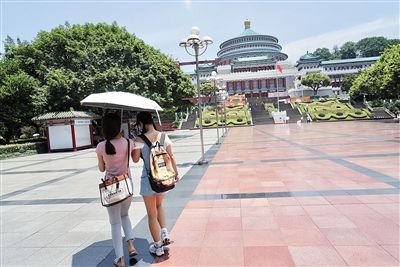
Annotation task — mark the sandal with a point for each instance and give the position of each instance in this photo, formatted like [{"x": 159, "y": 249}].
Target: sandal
[
  {"x": 119, "y": 262},
  {"x": 132, "y": 252}
]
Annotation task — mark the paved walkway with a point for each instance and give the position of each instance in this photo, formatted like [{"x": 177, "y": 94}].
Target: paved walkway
[
  {"x": 286, "y": 195},
  {"x": 320, "y": 194},
  {"x": 50, "y": 214}
]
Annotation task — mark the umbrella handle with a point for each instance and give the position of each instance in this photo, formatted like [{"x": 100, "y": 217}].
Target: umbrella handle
[{"x": 159, "y": 120}]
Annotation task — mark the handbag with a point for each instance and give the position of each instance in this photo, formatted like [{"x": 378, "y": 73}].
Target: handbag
[{"x": 117, "y": 188}]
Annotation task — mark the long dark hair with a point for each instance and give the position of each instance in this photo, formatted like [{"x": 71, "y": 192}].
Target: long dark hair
[
  {"x": 111, "y": 128},
  {"x": 145, "y": 118}
]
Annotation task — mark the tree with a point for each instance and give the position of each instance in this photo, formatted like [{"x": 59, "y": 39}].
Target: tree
[
  {"x": 316, "y": 81},
  {"x": 323, "y": 53},
  {"x": 392, "y": 42},
  {"x": 347, "y": 81},
  {"x": 18, "y": 97},
  {"x": 348, "y": 50},
  {"x": 207, "y": 88},
  {"x": 374, "y": 46},
  {"x": 72, "y": 62},
  {"x": 336, "y": 52},
  {"x": 68, "y": 63},
  {"x": 382, "y": 79}
]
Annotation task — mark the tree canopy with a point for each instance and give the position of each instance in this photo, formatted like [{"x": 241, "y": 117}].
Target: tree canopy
[
  {"x": 315, "y": 81},
  {"x": 366, "y": 47},
  {"x": 382, "y": 79},
  {"x": 207, "y": 88},
  {"x": 373, "y": 46},
  {"x": 347, "y": 81},
  {"x": 61, "y": 67},
  {"x": 323, "y": 53},
  {"x": 348, "y": 50}
]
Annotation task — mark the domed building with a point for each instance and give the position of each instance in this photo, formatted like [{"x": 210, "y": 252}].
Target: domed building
[
  {"x": 250, "y": 44},
  {"x": 249, "y": 64}
]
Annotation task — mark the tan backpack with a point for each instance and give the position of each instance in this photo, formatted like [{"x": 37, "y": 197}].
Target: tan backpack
[{"x": 161, "y": 173}]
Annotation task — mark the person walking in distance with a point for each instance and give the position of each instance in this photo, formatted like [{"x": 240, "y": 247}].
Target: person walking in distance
[
  {"x": 112, "y": 155},
  {"x": 153, "y": 201}
]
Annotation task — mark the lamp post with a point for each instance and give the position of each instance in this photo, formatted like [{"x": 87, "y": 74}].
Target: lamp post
[
  {"x": 214, "y": 79},
  {"x": 224, "y": 96},
  {"x": 199, "y": 46}
]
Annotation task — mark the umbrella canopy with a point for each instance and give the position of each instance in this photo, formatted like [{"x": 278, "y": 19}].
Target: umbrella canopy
[{"x": 121, "y": 100}]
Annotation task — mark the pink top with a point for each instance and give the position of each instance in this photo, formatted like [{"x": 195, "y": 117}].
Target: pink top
[{"x": 116, "y": 164}]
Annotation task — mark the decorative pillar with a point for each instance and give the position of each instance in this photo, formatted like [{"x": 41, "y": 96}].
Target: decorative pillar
[
  {"x": 48, "y": 138},
  {"x": 73, "y": 137}
]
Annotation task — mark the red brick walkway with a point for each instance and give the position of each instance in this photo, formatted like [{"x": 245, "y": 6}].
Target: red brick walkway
[{"x": 331, "y": 199}]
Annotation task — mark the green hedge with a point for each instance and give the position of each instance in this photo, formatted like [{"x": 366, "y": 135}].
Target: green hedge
[
  {"x": 28, "y": 140},
  {"x": 235, "y": 115},
  {"x": 332, "y": 110},
  {"x": 39, "y": 147}
]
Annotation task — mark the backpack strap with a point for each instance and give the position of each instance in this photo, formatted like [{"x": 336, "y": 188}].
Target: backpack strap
[
  {"x": 146, "y": 140},
  {"x": 162, "y": 139},
  {"x": 129, "y": 148}
]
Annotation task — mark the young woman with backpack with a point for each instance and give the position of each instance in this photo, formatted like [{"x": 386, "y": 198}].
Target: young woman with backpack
[
  {"x": 153, "y": 200},
  {"x": 113, "y": 158}
]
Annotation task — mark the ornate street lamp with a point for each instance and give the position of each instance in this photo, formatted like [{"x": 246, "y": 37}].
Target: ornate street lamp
[{"x": 199, "y": 46}]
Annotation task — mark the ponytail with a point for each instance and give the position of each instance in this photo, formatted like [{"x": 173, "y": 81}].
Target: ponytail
[
  {"x": 111, "y": 128},
  {"x": 110, "y": 149}
]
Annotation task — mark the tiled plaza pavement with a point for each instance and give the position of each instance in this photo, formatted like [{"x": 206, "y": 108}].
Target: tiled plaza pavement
[
  {"x": 322, "y": 194},
  {"x": 276, "y": 195},
  {"x": 50, "y": 213}
]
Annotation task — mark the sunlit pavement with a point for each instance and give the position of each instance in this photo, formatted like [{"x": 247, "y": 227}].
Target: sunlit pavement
[{"x": 320, "y": 194}]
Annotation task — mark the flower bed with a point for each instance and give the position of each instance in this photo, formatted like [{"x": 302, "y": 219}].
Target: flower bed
[
  {"x": 332, "y": 110},
  {"x": 235, "y": 116}
]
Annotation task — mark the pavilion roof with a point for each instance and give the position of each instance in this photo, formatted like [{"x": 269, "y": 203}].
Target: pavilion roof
[{"x": 66, "y": 115}]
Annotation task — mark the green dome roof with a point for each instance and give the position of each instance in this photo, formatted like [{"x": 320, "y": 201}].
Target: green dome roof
[
  {"x": 309, "y": 56},
  {"x": 247, "y": 32}
]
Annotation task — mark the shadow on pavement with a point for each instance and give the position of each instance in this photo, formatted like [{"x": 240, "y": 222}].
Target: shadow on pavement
[{"x": 102, "y": 254}]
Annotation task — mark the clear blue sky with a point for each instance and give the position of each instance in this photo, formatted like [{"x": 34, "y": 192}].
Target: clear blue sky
[{"x": 299, "y": 25}]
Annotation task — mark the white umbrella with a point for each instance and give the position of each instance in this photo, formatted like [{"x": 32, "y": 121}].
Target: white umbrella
[{"x": 121, "y": 100}]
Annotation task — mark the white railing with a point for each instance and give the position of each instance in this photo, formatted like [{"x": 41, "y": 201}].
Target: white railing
[{"x": 389, "y": 112}]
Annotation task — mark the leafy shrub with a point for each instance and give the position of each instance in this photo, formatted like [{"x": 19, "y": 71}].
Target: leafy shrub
[
  {"x": 394, "y": 107},
  {"x": 39, "y": 147},
  {"x": 376, "y": 103},
  {"x": 28, "y": 140},
  {"x": 28, "y": 131},
  {"x": 175, "y": 124}
]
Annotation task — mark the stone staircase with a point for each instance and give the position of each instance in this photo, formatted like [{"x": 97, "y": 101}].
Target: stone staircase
[
  {"x": 380, "y": 114},
  {"x": 260, "y": 115},
  {"x": 293, "y": 114}
]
